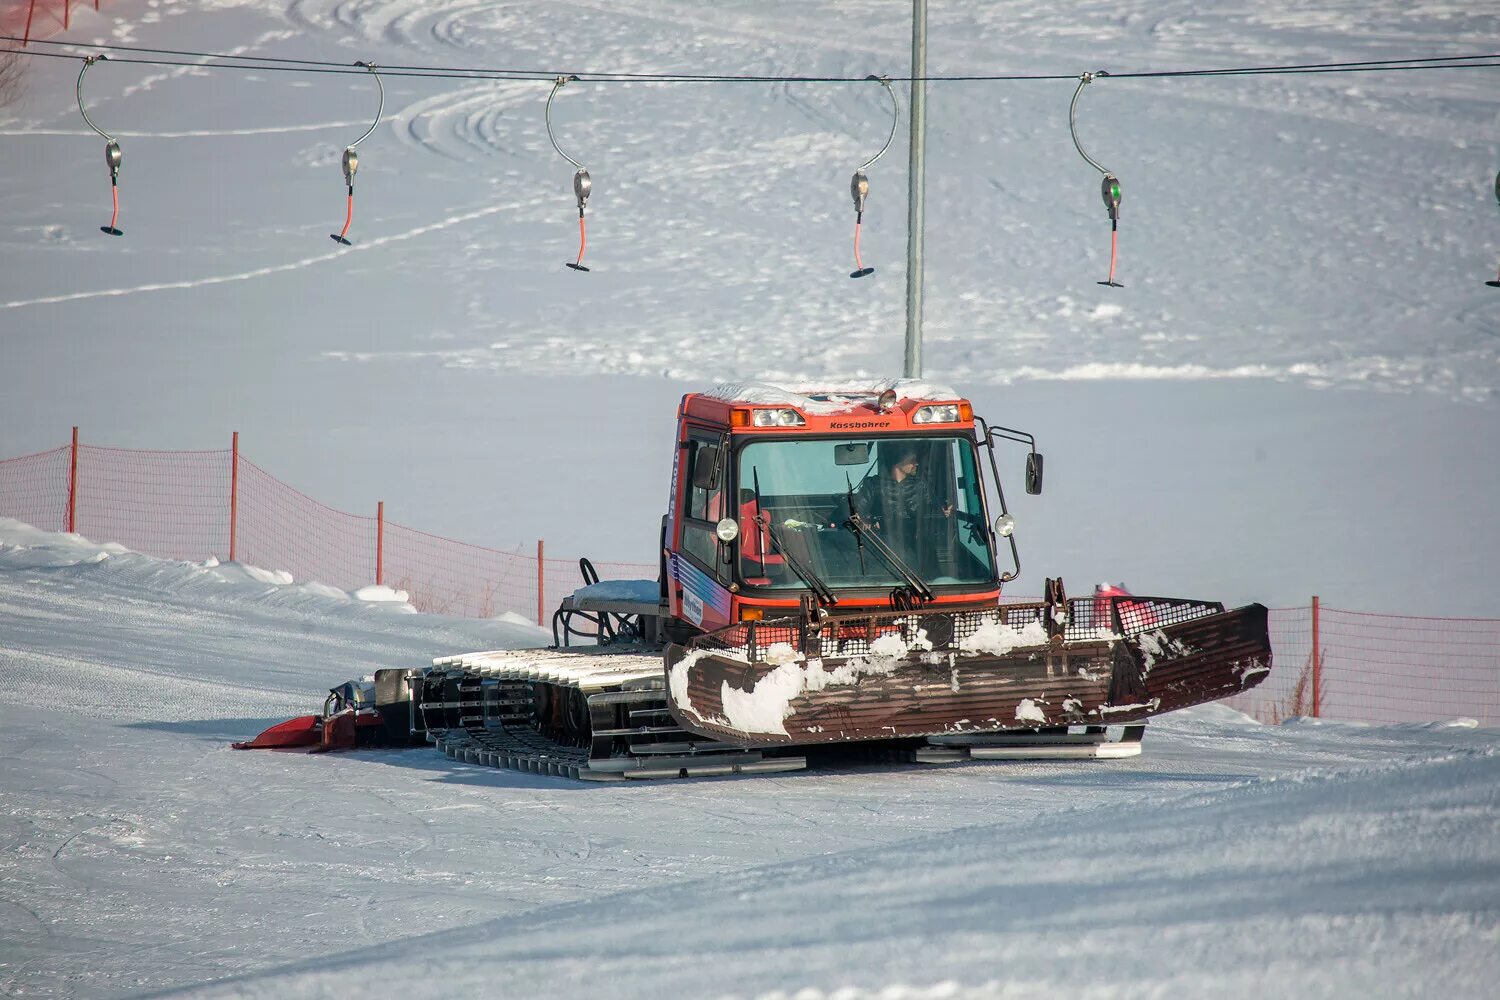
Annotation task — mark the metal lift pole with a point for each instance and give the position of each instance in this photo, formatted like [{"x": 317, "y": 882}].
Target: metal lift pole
[{"x": 915, "y": 171}]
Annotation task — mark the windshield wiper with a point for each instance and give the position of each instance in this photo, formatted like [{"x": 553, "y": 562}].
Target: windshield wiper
[
  {"x": 807, "y": 576},
  {"x": 861, "y": 528}
]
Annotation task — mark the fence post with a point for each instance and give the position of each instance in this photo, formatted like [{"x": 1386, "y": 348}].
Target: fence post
[
  {"x": 26, "y": 36},
  {"x": 1317, "y": 661},
  {"x": 67, "y": 13},
  {"x": 541, "y": 587},
  {"x": 234, "y": 491},
  {"x": 380, "y": 543},
  {"x": 73, "y": 484}
]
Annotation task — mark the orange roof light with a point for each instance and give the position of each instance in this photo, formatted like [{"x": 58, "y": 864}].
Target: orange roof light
[
  {"x": 965, "y": 412},
  {"x": 739, "y": 418}
]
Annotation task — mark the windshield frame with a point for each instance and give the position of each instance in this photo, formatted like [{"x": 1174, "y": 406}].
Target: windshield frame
[{"x": 739, "y": 480}]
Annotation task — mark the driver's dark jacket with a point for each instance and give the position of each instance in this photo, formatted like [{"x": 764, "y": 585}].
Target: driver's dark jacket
[{"x": 886, "y": 503}]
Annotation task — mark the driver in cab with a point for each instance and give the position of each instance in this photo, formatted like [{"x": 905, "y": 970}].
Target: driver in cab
[{"x": 898, "y": 497}]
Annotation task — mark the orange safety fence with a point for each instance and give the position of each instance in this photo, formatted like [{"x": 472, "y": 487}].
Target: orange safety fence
[
  {"x": 31, "y": 19},
  {"x": 1378, "y": 668},
  {"x": 195, "y": 504}
]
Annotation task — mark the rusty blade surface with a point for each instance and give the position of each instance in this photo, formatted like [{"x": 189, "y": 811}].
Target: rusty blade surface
[{"x": 794, "y": 699}]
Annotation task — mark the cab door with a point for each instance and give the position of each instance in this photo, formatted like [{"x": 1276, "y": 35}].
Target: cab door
[{"x": 699, "y": 569}]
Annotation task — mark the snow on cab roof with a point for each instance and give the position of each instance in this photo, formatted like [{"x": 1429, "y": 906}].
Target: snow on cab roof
[{"x": 829, "y": 397}]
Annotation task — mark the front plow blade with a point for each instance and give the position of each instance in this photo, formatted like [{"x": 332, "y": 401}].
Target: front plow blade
[
  {"x": 303, "y": 731},
  {"x": 1094, "y": 662}
]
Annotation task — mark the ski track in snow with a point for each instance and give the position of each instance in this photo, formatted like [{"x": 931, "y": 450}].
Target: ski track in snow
[{"x": 261, "y": 272}]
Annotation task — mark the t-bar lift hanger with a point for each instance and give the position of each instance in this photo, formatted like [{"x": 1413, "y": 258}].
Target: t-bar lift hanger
[
  {"x": 112, "y": 155},
  {"x": 859, "y": 185},
  {"x": 1109, "y": 188},
  {"x": 351, "y": 158},
  {"x": 582, "y": 183},
  {"x": 1496, "y": 282}
]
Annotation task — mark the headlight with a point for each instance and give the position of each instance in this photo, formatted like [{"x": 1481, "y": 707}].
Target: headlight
[
  {"x": 727, "y": 530},
  {"x": 778, "y": 418},
  {"x": 1005, "y": 525},
  {"x": 946, "y": 414}
]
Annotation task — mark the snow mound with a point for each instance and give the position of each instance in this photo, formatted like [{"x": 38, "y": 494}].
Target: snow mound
[
  {"x": 27, "y": 548},
  {"x": 378, "y": 594}
]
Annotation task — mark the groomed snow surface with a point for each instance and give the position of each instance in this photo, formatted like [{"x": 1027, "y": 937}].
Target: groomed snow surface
[{"x": 141, "y": 855}]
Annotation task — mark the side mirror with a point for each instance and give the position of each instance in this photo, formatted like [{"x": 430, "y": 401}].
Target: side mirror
[
  {"x": 1034, "y": 473},
  {"x": 706, "y": 468}
]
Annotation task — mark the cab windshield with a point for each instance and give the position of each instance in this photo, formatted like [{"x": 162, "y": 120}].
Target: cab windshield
[{"x": 920, "y": 494}]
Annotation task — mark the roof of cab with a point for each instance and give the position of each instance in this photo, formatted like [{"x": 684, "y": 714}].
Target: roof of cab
[{"x": 831, "y": 397}]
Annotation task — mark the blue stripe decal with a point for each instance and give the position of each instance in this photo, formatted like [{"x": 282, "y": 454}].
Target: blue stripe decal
[{"x": 696, "y": 582}]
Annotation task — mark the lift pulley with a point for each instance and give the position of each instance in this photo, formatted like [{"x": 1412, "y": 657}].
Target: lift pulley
[
  {"x": 1109, "y": 188},
  {"x": 351, "y": 158},
  {"x": 583, "y": 185},
  {"x": 859, "y": 185},
  {"x": 112, "y": 155}
]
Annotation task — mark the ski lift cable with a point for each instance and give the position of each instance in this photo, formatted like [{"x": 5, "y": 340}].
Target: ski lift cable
[
  {"x": 859, "y": 184},
  {"x": 509, "y": 75},
  {"x": 1109, "y": 187},
  {"x": 112, "y": 155},
  {"x": 351, "y": 158},
  {"x": 583, "y": 184},
  {"x": 227, "y": 61}
]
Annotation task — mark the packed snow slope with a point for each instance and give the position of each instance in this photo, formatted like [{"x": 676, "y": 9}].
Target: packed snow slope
[
  {"x": 1302, "y": 368},
  {"x": 139, "y": 855}
]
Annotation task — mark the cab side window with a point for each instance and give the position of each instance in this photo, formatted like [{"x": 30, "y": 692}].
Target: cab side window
[
  {"x": 703, "y": 498},
  {"x": 704, "y": 503}
]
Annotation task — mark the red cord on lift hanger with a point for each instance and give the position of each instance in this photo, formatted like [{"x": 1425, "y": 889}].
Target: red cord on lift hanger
[
  {"x": 351, "y": 160},
  {"x": 112, "y": 155}
]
